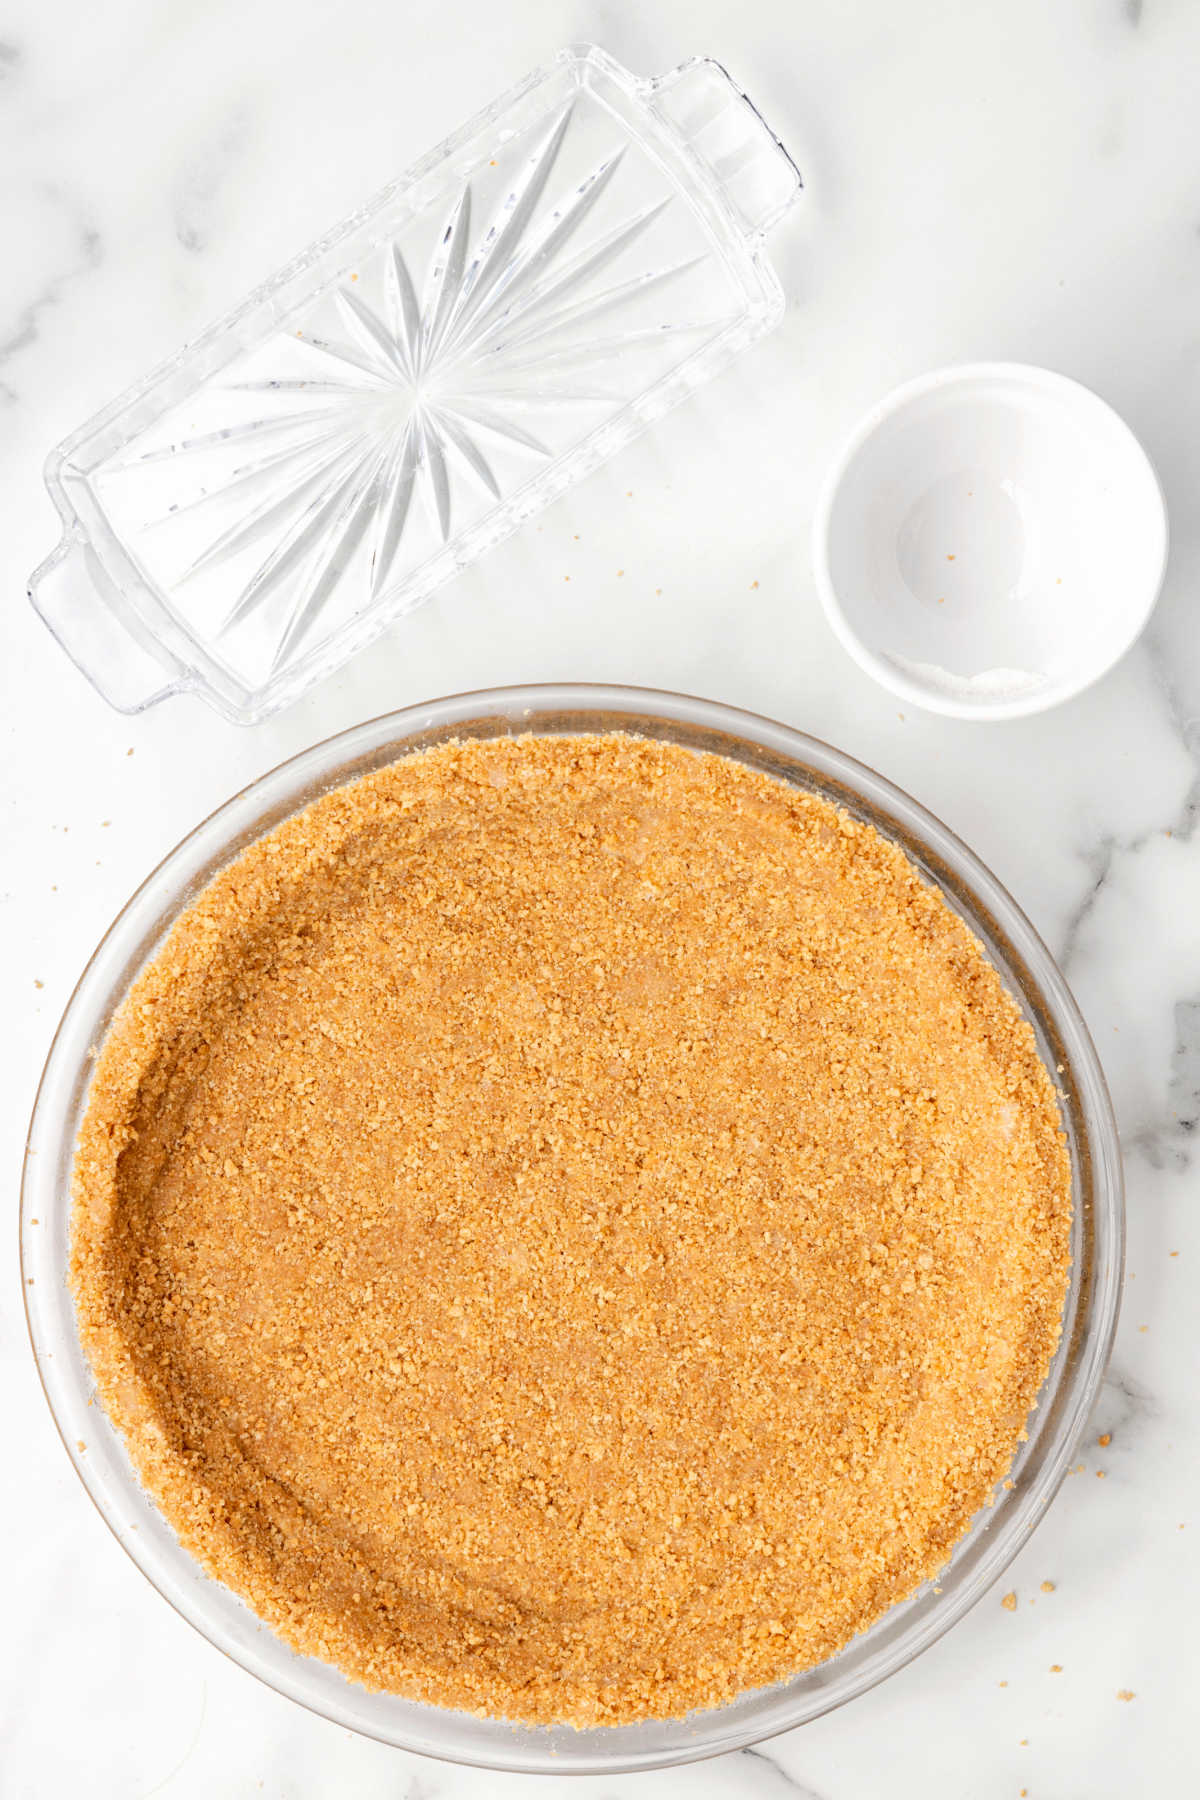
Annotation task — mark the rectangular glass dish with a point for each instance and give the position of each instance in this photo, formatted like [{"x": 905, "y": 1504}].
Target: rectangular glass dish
[{"x": 415, "y": 385}]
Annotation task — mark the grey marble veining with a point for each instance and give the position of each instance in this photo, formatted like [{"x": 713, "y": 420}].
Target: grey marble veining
[
  {"x": 772, "y": 1778},
  {"x": 981, "y": 181}
]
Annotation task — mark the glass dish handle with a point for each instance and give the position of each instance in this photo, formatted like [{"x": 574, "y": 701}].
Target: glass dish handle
[
  {"x": 70, "y": 594},
  {"x": 725, "y": 131}
]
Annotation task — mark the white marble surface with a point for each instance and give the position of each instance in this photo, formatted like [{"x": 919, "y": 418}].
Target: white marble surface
[{"x": 983, "y": 181}]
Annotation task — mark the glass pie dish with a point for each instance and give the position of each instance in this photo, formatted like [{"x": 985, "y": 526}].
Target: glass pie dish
[
  {"x": 488, "y": 329},
  {"x": 997, "y": 1532}
]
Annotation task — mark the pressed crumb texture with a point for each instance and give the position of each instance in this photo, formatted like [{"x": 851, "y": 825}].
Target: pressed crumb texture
[{"x": 570, "y": 1228}]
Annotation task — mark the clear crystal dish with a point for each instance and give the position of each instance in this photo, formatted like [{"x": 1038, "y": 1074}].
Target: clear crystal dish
[
  {"x": 398, "y": 399},
  {"x": 1064, "y": 1403}
]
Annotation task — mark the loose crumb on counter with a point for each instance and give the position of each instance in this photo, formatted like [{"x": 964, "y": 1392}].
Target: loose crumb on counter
[
  {"x": 1009, "y": 1602},
  {"x": 570, "y": 1228}
]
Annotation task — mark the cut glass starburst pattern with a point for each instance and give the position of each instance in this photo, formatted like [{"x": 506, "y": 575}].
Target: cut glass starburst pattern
[
  {"x": 399, "y": 399},
  {"x": 413, "y": 400}
]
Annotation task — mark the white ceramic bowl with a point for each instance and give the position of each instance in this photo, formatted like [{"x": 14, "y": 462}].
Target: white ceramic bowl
[{"x": 990, "y": 541}]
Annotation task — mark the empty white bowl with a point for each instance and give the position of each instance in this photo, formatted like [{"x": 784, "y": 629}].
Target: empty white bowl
[{"x": 991, "y": 539}]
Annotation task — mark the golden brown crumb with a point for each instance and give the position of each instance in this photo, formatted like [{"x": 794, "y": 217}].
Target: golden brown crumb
[
  {"x": 1126, "y": 1694},
  {"x": 570, "y": 1228},
  {"x": 1101, "y": 1474},
  {"x": 1009, "y": 1602},
  {"x": 1047, "y": 1587},
  {"x": 1056, "y": 1668},
  {"x": 1104, "y": 1440}
]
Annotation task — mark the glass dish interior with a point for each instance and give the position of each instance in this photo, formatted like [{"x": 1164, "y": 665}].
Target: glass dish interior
[{"x": 997, "y": 1532}]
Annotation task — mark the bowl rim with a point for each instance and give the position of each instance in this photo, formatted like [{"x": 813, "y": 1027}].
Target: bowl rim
[
  {"x": 881, "y": 668},
  {"x": 280, "y": 792}
]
